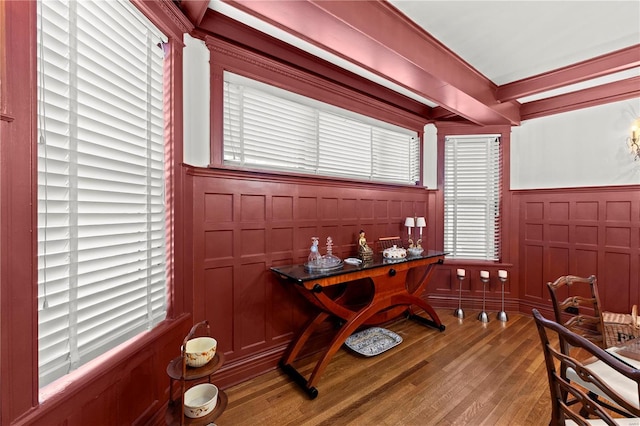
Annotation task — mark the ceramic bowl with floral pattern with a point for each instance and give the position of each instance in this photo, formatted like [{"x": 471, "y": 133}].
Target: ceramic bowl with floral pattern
[
  {"x": 200, "y": 351},
  {"x": 394, "y": 252},
  {"x": 200, "y": 400}
]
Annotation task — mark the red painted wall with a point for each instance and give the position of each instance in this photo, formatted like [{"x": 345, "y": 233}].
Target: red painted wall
[
  {"x": 244, "y": 223},
  {"x": 228, "y": 227},
  {"x": 580, "y": 231},
  {"x": 128, "y": 385}
]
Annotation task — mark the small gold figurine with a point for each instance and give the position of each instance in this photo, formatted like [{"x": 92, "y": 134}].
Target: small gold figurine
[{"x": 364, "y": 251}]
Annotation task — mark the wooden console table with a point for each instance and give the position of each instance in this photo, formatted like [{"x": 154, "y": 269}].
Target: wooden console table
[{"x": 390, "y": 298}]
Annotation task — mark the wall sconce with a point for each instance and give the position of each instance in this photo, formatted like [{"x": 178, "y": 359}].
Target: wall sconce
[
  {"x": 415, "y": 222},
  {"x": 634, "y": 140}
]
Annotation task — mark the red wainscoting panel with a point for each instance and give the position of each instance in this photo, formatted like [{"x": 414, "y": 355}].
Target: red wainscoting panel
[
  {"x": 127, "y": 387},
  {"x": 580, "y": 232},
  {"x": 244, "y": 223}
]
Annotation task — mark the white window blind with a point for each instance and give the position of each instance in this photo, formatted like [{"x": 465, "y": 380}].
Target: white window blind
[
  {"x": 472, "y": 191},
  {"x": 269, "y": 128},
  {"x": 101, "y": 214}
]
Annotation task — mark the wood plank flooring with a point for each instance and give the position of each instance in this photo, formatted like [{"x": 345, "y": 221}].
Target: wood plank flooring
[{"x": 470, "y": 374}]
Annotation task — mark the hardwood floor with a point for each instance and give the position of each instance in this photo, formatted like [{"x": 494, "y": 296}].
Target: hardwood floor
[{"x": 470, "y": 374}]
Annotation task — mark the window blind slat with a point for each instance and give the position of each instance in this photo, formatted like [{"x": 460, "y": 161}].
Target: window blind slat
[
  {"x": 101, "y": 273},
  {"x": 270, "y": 128},
  {"x": 472, "y": 197}
]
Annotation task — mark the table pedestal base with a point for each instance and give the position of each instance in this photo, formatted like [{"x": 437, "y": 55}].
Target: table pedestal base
[{"x": 390, "y": 298}]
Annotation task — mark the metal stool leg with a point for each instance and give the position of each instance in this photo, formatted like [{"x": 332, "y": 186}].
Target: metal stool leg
[
  {"x": 502, "y": 315},
  {"x": 484, "y": 277},
  {"x": 459, "y": 312}
]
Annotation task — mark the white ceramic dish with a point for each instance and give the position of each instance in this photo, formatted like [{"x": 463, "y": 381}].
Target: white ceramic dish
[
  {"x": 394, "y": 252},
  {"x": 200, "y": 351},
  {"x": 200, "y": 400}
]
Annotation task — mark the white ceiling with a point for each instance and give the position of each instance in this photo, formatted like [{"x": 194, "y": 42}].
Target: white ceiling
[
  {"x": 511, "y": 40},
  {"x": 505, "y": 40}
]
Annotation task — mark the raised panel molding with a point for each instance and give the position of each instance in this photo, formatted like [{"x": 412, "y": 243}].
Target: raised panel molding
[
  {"x": 586, "y": 262},
  {"x": 580, "y": 231},
  {"x": 586, "y": 235},
  {"x": 218, "y": 208},
  {"x": 558, "y": 211},
  {"x": 216, "y": 300},
  {"x": 534, "y": 210},
  {"x": 552, "y": 232},
  {"x": 281, "y": 208},
  {"x": 534, "y": 231},
  {"x": 307, "y": 208},
  {"x": 586, "y": 210},
  {"x": 250, "y": 307},
  {"x": 329, "y": 208},
  {"x": 558, "y": 233},
  {"x": 618, "y": 236},
  {"x": 218, "y": 244},
  {"x": 281, "y": 240},
  {"x": 252, "y": 208},
  {"x": 348, "y": 208},
  {"x": 253, "y": 242},
  {"x": 250, "y": 223},
  {"x": 615, "y": 297},
  {"x": 618, "y": 210},
  {"x": 558, "y": 261}
]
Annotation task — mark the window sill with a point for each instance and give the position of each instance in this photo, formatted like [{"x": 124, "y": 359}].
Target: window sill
[{"x": 79, "y": 379}]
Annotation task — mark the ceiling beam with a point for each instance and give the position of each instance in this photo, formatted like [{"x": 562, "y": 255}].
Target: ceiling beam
[
  {"x": 610, "y": 63},
  {"x": 194, "y": 9},
  {"x": 222, "y": 26},
  {"x": 377, "y": 37},
  {"x": 606, "y": 93}
]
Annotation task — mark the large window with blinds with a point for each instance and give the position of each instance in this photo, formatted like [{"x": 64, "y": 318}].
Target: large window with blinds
[
  {"x": 101, "y": 214},
  {"x": 472, "y": 192},
  {"x": 270, "y": 128}
]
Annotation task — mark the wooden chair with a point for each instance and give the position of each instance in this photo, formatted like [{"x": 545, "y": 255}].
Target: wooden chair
[
  {"x": 580, "y": 312},
  {"x": 614, "y": 379}
]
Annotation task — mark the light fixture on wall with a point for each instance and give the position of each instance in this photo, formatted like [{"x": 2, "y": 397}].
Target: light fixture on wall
[
  {"x": 415, "y": 222},
  {"x": 634, "y": 140}
]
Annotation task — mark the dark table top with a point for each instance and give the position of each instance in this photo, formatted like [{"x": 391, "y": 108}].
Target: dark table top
[{"x": 301, "y": 274}]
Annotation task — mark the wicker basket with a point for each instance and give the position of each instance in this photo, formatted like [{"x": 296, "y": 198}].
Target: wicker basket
[{"x": 620, "y": 328}]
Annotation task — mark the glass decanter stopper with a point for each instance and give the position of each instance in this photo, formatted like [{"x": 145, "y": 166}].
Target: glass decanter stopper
[
  {"x": 329, "y": 260},
  {"x": 314, "y": 254},
  {"x": 329, "y": 245}
]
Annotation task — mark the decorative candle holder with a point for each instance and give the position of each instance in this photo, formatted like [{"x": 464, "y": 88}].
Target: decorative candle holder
[
  {"x": 484, "y": 277},
  {"x": 415, "y": 222},
  {"x": 502, "y": 315},
  {"x": 459, "y": 312}
]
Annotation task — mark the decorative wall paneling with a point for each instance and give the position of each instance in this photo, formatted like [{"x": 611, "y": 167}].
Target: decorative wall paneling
[
  {"x": 243, "y": 223},
  {"x": 18, "y": 218},
  {"x": 129, "y": 387},
  {"x": 581, "y": 232}
]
